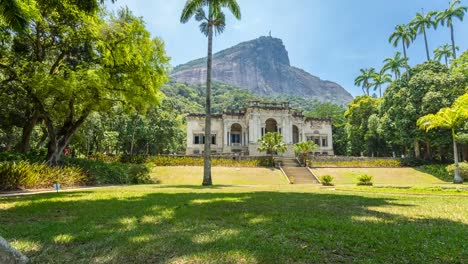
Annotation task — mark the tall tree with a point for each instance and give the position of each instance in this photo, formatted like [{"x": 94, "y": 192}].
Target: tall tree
[
  {"x": 447, "y": 16},
  {"x": 16, "y": 17},
  {"x": 423, "y": 90},
  {"x": 394, "y": 64},
  {"x": 444, "y": 51},
  {"x": 365, "y": 79},
  {"x": 380, "y": 79},
  {"x": 421, "y": 23},
  {"x": 71, "y": 63},
  {"x": 12, "y": 15},
  {"x": 212, "y": 21},
  {"x": 449, "y": 118},
  {"x": 404, "y": 34}
]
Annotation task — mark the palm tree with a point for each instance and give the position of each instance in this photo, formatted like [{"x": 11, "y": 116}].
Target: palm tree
[
  {"x": 365, "y": 79},
  {"x": 380, "y": 79},
  {"x": 395, "y": 64},
  {"x": 213, "y": 21},
  {"x": 13, "y": 15},
  {"x": 444, "y": 51},
  {"x": 303, "y": 149},
  {"x": 422, "y": 22},
  {"x": 447, "y": 17},
  {"x": 449, "y": 118},
  {"x": 272, "y": 143},
  {"x": 403, "y": 33}
]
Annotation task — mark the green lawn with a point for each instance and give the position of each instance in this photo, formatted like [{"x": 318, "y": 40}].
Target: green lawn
[
  {"x": 239, "y": 224},
  {"x": 180, "y": 175},
  {"x": 381, "y": 176}
]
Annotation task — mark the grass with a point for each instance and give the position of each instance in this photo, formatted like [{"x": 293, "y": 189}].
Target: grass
[
  {"x": 239, "y": 224},
  {"x": 181, "y": 175},
  {"x": 381, "y": 176}
]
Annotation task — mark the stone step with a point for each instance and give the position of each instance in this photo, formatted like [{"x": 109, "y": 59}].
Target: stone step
[{"x": 300, "y": 175}]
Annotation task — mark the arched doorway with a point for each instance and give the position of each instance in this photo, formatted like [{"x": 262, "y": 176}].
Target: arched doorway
[
  {"x": 271, "y": 126},
  {"x": 295, "y": 134},
  {"x": 236, "y": 134}
]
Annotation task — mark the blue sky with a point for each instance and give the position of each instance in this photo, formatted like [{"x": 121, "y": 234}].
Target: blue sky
[{"x": 331, "y": 39}]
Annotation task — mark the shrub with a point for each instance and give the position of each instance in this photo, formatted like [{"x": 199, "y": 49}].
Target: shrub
[
  {"x": 198, "y": 161},
  {"x": 413, "y": 162},
  {"x": 136, "y": 159},
  {"x": 100, "y": 172},
  {"x": 327, "y": 180},
  {"x": 25, "y": 175},
  {"x": 365, "y": 180},
  {"x": 463, "y": 170},
  {"x": 437, "y": 170},
  {"x": 104, "y": 157},
  {"x": 380, "y": 163}
]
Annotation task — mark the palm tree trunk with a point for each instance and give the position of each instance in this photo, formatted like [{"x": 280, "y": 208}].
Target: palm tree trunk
[
  {"x": 453, "y": 41},
  {"x": 404, "y": 48},
  {"x": 207, "y": 156},
  {"x": 456, "y": 178},
  {"x": 427, "y": 46},
  {"x": 417, "y": 151},
  {"x": 380, "y": 90},
  {"x": 446, "y": 61}
]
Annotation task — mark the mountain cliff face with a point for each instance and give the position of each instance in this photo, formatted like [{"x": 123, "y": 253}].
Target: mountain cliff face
[{"x": 261, "y": 65}]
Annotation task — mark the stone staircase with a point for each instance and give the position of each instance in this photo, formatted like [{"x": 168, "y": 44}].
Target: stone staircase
[{"x": 296, "y": 173}]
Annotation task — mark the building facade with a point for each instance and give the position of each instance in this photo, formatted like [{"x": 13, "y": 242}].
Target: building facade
[{"x": 239, "y": 132}]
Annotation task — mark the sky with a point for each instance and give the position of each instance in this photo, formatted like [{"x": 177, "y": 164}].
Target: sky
[{"x": 331, "y": 39}]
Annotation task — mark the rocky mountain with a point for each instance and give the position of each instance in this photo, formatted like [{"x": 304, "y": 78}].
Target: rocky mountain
[{"x": 261, "y": 65}]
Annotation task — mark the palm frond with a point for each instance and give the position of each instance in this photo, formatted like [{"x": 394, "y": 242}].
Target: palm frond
[{"x": 190, "y": 8}]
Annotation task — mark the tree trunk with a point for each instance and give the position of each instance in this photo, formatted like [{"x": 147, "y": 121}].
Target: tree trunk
[
  {"x": 207, "y": 157},
  {"x": 24, "y": 145},
  {"x": 428, "y": 151},
  {"x": 59, "y": 140},
  {"x": 132, "y": 142},
  {"x": 452, "y": 35},
  {"x": 417, "y": 151},
  {"x": 427, "y": 46},
  {"x": 446, "y": 60},
  {"x": 457, "y": 178},
  {"x": 404, "y": 48},
  {"x": 465, "y": 152}
]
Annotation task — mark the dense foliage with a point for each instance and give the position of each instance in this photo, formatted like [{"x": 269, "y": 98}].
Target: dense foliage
[{"x": 25, "y": 175}]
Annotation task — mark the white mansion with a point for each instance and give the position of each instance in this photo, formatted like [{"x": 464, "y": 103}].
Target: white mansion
[{"x": 239, "y": 132}]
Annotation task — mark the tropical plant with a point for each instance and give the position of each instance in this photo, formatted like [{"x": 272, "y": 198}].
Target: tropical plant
[
  {"x": 394, "y": 64},
  {"x": 327, "y": 180},
  {"x": 364, "y": 180},
  {"x": 272, "y": 143},
  {"x": 365, "y": 79},
  {"x": 212, "y": 21},
  {"x": 380, "y": 79},
  {"x": 444, "y": 51},
  {"x": 447, "y": 16},
  {"x": 303, "y": 149},
  {"x": 421, "y": 23},
  {"x": 404, "y": 34},
  {"x": 449, "y": 118}
]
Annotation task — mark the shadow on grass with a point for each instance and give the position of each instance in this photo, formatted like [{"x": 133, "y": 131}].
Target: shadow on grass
[
  {"x": 265, "y": 227},
  {"x": 193, "y": 186}
]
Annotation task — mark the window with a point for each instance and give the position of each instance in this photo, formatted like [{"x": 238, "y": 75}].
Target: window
[
  {"x": 317, "y": 141},
  {"x": 325, "y": 142},
  {"x": 199, "y": 139},
  {"x": 235, "y": 138}
]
